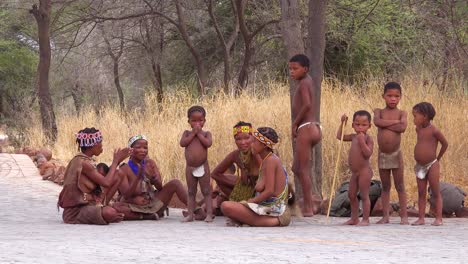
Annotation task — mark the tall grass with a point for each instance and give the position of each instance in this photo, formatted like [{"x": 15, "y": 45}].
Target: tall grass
[{"x": 164, "y": 127}]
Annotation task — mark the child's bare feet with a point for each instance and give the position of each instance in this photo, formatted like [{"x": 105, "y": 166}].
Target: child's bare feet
[
  {"x": 351, "y": 222},
  {"x": 363, "y": 222},
  {"x": 209, "y": 219},
  {"x": 418, "y": 222},
  {"x": 308, "y": 213},
  {"x": 230, "y": 222},
  {"x": 404, "y": 221},
  {"x": 384, "y": 220},
  {"x": 437, "y": 222},
  {"x": 187, "y": 219}
]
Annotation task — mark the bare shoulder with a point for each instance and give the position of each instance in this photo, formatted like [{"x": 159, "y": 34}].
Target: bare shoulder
[
  {"x": 206, "y": 133},
  {"x": 306, "y": 82}
]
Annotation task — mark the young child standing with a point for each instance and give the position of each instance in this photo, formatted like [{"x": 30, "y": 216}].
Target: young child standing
[
  {"x": 391, "y": 123},
  {"x": 427, "y": 163},
  {"x": 360, "y": 152},
  {"x": 306, "y": 131},
  {"x": 196, "y": 143}
]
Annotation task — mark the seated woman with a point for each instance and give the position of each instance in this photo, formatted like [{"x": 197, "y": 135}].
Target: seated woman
[
  {"x": 81, "y": 203},
  {"x": 269, "y": 207},
  {"x": 241, "y": 186},
  {"x": 143, "y": 194}
]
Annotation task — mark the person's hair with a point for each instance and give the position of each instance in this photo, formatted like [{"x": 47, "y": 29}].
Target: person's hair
[
  {"x": 270, "y": 133},
  {"x": 392, "y": 85},
  {"x": 426, "y": 109},
  {"x": 196, "y": 108},
  {"x": 242, "y": 123},
  {"x": 86, "y": 130},
  {"x": 104, "y": 167},
  {"x": 301, "y": 59},
  {"x": 362, "y": 113}
]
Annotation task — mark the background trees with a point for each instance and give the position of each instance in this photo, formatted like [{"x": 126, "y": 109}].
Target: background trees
[{"x": 207, "y": 46}]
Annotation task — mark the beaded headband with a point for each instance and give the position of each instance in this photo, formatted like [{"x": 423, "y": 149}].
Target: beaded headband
[
  {"x": 136, "y": 138},
  {"x": 263, "y": 139},
  {"x": 89, "y": 139},
  {"x": 242, "y": 129}
]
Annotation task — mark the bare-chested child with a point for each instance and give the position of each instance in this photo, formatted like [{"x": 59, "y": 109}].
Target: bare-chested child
[
  {"x": 391, "y": 122},
  {"x": 427, "y": 161},
  {"x": 306, "y": 131},
  {"x": 361, "y": 150},
  {"x": 196, "y": 143}
]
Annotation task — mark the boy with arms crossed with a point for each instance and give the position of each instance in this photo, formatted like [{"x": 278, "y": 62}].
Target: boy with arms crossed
[{"x": 391, "y": 122}]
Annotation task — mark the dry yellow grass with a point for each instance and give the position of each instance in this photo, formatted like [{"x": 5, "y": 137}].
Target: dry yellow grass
[{"x": 165, "y": 128}]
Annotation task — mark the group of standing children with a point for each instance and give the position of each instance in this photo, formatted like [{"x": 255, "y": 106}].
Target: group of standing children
[{"x": 391, "y": 123}]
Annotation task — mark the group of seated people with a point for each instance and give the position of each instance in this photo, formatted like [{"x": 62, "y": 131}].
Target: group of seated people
[
  {"x": 255, "y": 193},
  {"x": 252, "y": 184}
]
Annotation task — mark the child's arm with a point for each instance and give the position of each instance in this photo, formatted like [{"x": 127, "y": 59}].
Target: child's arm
[
  {"x": 400, "y": 127},
  {"x": 383, "y": 123},
  {"x": 443, "y": 141},
  {"x": 205, "y": 139},
  {"x": 187, "y": 137},
  {"x": 305, "y": 108},
  {"x": 366, "y": 143},
  {"x": 349, "y": 137}
]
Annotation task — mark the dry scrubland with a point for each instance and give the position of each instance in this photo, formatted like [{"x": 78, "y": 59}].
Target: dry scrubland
[{"x": 164, "y": 128}]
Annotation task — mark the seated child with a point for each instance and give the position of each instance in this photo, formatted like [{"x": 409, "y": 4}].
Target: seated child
[
  {"x": 360, "y": 152},
  {"x": 427, "y": 161}
]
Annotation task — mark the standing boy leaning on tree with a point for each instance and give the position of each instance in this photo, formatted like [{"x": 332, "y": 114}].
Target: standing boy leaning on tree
[{"x": 306, "y": 131}]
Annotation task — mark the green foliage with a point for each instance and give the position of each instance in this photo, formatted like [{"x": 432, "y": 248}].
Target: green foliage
[
  {"x": 369, "y": 36},
  {"x": 17, "y": 73}
]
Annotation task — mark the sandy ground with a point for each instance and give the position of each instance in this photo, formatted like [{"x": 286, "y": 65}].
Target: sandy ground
[{"x": 31, "y": 231}]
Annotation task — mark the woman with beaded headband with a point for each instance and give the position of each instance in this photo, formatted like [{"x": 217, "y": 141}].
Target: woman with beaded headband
[
  {"x": 81, "y": 203},
  {"x": 241, "y": 186},
  {"x": 143, "y": 194},
  {"x": 269, "y": 207}
]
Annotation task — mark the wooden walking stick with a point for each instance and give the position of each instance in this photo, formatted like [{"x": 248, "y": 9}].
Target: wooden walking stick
[{"x": 332, "y": 190}]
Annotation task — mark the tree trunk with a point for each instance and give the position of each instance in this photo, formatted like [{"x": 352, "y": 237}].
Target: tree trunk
[
  {"x": 316, "y": 49},
  {"x": 42, "y": 16},
  {"x": 201, "y": 72},
  {"x": 225, "y": 45},
  {"x": 292, "y": 39},
  {"x": 77, "y": 97},
  {"x": 244, "y": 72},
  {"x": 117, "y": 83},
  {"x": 157, "y": 78}
]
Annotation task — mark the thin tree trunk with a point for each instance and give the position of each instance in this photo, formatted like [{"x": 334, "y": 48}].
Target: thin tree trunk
[
  {"x": 42, "y": 16},
  {"x": 316, "y": 44},
  {"x": 77, "y": 97},
  {"x": 292, "y": 38},
  {"x": 225, "y": 45},
  {"x": 201, "y": 72},
  {"x": 157, "y": 78},
  {"x": 117, "y": 84},
  {"x": 115, "y": 61}
]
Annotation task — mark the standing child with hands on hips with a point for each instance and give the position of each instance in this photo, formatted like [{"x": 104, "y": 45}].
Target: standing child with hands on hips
[
  {"x": 427, "y": 167},
  {"x": 361, "y": 150},
  {"x": 196, "y": 143}
]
